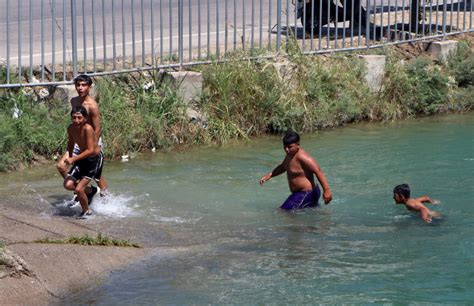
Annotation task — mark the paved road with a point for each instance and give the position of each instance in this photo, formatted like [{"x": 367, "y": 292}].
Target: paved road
[
  {"x": 119, "y": 23},
  {"x": 114, "y": 28}
]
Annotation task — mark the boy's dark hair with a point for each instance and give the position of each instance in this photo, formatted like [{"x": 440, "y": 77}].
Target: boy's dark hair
[
  {"x": 80, "y": 109},
  {"x": 83, "y": 78},
  {"x": 291, "y": 137},
  {"x": 402, "y": 189}
]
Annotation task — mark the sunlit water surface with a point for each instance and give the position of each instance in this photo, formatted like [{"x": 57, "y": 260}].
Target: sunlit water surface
[{"x": 234, "y": 246}]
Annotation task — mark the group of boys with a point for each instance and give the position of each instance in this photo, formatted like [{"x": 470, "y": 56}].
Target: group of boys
[
  {"x": 84, "y": 158},
  {"x": 301, "y": 168}
]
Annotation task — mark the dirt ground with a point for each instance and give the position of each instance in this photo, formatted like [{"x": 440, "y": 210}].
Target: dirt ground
[
  {"x": 39, "y": 274},
  {"x": 409, "y": 51}
]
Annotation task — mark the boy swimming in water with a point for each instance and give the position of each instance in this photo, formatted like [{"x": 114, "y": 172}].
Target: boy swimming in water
[
  {"x": 87, "y": 165},
  {"x": 401, "y": 195},
  {"x": 300, "y": 168}
]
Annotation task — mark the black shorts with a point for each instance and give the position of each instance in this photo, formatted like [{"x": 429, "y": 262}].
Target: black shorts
[{"x": 90, "y": 167}]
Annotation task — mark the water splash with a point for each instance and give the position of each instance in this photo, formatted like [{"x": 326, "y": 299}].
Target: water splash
[
  {"x": 114, "y": 205},
  {"x": 67, "y": 207}
]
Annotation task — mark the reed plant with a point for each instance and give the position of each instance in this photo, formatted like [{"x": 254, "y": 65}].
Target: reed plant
[{"x": 239, "y": 98}]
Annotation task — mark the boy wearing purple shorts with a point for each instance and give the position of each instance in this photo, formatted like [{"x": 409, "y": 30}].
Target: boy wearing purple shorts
[{"x": 300, "y": 169}]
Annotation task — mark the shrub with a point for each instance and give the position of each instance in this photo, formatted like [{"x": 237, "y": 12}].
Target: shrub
[
  {"x": 39, "y": 129},
  {"x": 134, "y": 118},
  {"x": 461, "y": 64},
  {"x": 240, "y": 98}
]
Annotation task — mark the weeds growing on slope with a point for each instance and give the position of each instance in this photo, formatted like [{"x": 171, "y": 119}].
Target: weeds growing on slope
[
  {"x": 30, "y": 130},
  {"x": 88, "y": 240}
]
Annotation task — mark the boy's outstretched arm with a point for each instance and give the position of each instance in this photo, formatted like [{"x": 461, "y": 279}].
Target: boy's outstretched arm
[
  {"x": 424, "y": 212},
  {"x": 313, "y": 166},
  {"x": 277, "y": 171},
  {"x": 427, "y": 199}
]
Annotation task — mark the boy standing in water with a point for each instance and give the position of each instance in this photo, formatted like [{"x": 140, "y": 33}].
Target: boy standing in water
[
  {"x": 83, "y": 85},
  {"x": 300, "y": 168},
  {"x": 86, "y": 165},
  {"x": 401, "y": 195}
]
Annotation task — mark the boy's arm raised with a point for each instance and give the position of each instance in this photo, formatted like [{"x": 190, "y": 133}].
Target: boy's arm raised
[{"x": 277, "y": 171}]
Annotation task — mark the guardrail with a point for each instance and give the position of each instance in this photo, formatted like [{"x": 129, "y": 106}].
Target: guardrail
[{"x": 46, "y": 42}]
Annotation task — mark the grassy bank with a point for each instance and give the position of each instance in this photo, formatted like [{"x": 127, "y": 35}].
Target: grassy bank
[{"x": 240, "y": 99}]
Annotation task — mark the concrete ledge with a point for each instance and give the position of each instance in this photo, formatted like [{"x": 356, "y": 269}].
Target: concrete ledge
[
  {"x": 440, "y": 50},
  {"x": 189, "y": 83},
  {"x": 375, "y": 70}
]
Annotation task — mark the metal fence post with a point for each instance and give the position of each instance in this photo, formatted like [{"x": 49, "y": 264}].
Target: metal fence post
[
  {"x": 278, "y": 25},
  {"x": 74, "y": 38},
  {"x": 445, "y": 6},
  {"x": 8, "y": 41},
  {"x": 181, "y": 32}
]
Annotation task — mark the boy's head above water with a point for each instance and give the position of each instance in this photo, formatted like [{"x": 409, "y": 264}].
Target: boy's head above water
[
  {"x": 291, "y": 142},
  {"x": 401, "y": 193}
]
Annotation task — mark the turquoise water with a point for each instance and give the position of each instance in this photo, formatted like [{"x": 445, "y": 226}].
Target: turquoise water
[{"x": 223, "y": 239}]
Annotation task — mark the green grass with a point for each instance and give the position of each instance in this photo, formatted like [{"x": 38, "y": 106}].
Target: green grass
[
  {"x": 88, "y": 240},
  {"x": 40, "y": 130}
]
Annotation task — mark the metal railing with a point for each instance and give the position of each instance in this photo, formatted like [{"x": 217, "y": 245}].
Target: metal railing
[{"x": 47, "y": 42}]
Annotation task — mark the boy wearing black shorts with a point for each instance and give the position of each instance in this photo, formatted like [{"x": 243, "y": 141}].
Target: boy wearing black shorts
[{"x": 87, "y": 165}]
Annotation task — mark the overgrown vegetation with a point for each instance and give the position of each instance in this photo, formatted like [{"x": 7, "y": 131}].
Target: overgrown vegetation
[
  {"x": 30, "y": 130},
  {"x": 240, "y": 99},
  {"x": 88, "y": 240},
  {"x": 140, "y": 113}
]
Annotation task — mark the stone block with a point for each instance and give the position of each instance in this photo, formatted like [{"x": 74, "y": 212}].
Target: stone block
[
  {"x": 375, "y": 70},
  {"x": 440, "y": 50},
  {"x": 188, "y": 82}
]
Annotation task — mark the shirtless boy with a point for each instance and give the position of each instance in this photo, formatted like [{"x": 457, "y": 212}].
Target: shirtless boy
[
  {"x": 83, "y": 84},
  {"x": 300, "y": 169},
  {"x": 86, "y": 165},
  {"x": 401, "y": 195}
]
